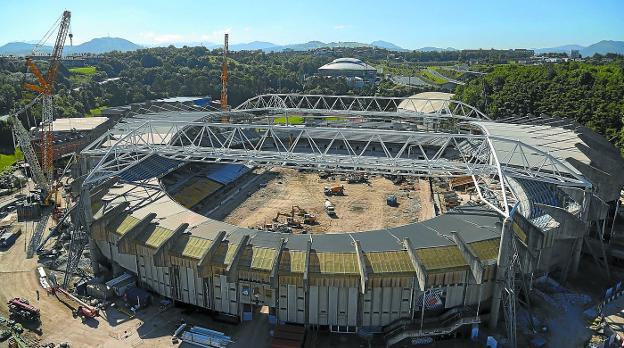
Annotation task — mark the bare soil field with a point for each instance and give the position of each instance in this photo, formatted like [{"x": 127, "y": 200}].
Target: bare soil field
[
  {"x": 363, "y": 206},
  {"x": 112, "y": 329}
]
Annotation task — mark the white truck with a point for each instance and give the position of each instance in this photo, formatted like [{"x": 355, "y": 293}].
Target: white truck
[{"x": 330, "y": 209}]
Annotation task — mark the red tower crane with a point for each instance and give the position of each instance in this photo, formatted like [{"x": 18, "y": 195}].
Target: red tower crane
[{"x": 224, "y": 76}]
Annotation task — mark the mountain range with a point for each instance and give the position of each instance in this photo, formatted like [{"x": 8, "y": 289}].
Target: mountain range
[
  {"x": 108, "y": 44},
  {"x": 601, "y": 47},
  {"x": 96, "y": 46}
]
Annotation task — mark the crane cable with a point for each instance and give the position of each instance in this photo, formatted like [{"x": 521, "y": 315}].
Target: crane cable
[{"x": 47, "y": 35}]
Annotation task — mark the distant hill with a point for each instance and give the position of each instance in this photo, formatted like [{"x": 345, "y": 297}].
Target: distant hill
[
  {"x": 98, "y": 45},
  {"x": 22, "y": 48},
  {"x": 435, "y": 49},
  {"x": 603, "y": 47},
  {"x": 108, "y": 44},
  {"x": 103, "y": 45},
  {"x": 559, "y": 49},
  {"x": 387, "y": 45},
  {"x": 252, "y": 46}
]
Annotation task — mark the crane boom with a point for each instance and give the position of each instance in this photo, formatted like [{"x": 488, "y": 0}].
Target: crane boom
[
  {"x": 46, "y": 88},
  {"x": 55, "y": 60},
  {"x": 23, "y": 139}
]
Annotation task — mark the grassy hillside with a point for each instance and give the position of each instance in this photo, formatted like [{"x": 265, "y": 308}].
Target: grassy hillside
[
  {"x": 9, "y": 160},
  {"x": 87, "y": 70}
]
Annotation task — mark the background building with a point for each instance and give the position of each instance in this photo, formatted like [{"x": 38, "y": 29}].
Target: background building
[{"x": 354, "y": 70}]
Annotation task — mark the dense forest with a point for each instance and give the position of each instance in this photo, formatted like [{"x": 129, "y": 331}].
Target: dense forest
[{"x": 590, "y": 93}]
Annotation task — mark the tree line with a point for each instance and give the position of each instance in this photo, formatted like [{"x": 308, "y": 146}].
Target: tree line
[{"x": 591, "y": 93}]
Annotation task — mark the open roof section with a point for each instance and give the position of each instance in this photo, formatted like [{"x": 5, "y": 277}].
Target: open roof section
[{"x": 473, "y": 222}]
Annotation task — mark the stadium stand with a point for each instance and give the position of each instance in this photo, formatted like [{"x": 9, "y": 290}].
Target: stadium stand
[
  {"x": 228, "y": 173},
  {"x": 196, "y": 192},
  {"x": 151, "y": 167}
]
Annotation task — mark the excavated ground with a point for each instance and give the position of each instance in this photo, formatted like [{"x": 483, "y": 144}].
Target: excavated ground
[{"x": 363, "y": 207}]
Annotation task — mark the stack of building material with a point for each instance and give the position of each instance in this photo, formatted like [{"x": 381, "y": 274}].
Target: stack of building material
[
  {"x": 205, "y": 337},
  {"x": 121, "y": 283}
]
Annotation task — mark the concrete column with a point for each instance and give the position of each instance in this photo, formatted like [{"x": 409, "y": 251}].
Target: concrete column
[
  {"x": 502, "y": 263},
  {"x": 94, "y": 254},
  {"x": 578, "y": 246}
]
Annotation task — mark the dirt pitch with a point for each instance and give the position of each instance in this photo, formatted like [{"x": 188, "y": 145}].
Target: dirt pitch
[{"x": 363, "y": 207}]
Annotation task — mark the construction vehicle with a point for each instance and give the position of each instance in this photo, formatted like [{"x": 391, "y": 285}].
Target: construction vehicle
[
  {"x": 330, "y": 209},
  {"x": 357, "y": 178},
  {"x": 308, "y": 218},
  {"x": 83, "y": 310},
  {"x": 43, "y": 174},
  {"x": 392, "y": 201},
  {"x": 20, "y": 308},
  {"x": 336, "y": 190},
  {"x": 300, "y": 211},
  {"x": 290, "y": 219}
]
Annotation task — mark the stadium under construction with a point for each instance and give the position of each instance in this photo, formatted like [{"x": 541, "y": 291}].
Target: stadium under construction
[{"x": 544, "y": 187}]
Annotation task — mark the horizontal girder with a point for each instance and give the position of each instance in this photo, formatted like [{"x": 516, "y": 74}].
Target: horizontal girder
[
  {"x": 328, "y": 104},
  {"x": 340, "y": 149}
]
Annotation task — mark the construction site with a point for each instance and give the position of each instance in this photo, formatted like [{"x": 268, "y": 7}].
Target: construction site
[
  {"x": 379, "y": 221},
  {"x": 288, "y": 198}
]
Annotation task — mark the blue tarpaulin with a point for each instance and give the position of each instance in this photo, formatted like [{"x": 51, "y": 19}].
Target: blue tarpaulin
[{"x": 228, "y": 173}]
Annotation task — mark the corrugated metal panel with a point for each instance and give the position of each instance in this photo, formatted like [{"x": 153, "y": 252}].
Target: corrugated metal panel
[
  {"x": 487, "y": 249},
  {"x": 300, "y": 305},
  {"x": 127, "y": 223},
  {"x": 389, "y": 262},
  {"x": 332, "y": 308},
  {"x": 233, "y": 299},
  {"x": 406, "y": 295},
  {"x": 352, "y": 308},
  {"x": 334, "y": 263},
  {"x": 229, "y": 255},
  {"x": 225, "y": 294},
  {"x": 322, "y": 305},
  {"x": 367, "y": 308},
  {"x": 196, "y": 247},
  {"x": 292, "y": 261},
  {"x": 283, "y": 303},
  {"x": 376, "y": 307},
  {"x": 454, "y": 296},
  {"x": 292, "y": 303},
  {"x": 313, "y": 307},
  {"x": 263, "y": 258},
  {"x": 441, "y": 258},
  {"x": 395, "y": 307},
  {"x": 386, "y": 305},
  {"x": 184, "y": 285},
  {"x": 158, "y": 236},
  {"x": 343, "y": 306}
]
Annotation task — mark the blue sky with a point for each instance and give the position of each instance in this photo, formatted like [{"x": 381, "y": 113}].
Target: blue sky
[{"x": 410, "y": 24}]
